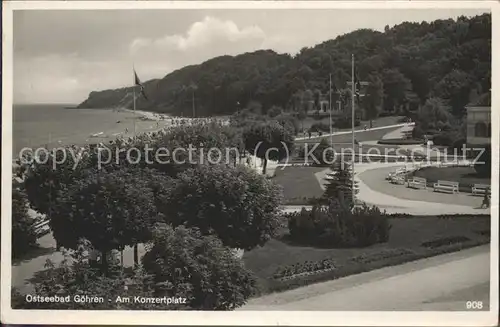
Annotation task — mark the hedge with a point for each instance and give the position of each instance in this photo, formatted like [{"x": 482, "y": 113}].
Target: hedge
[{"x": 400, "y": 141}]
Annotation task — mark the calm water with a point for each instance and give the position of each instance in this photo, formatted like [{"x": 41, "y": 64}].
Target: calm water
[{"x": 40, "y": 125}]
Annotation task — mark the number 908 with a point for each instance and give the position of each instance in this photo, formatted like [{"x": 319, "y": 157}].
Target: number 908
[{"x": 474, "y": 305}]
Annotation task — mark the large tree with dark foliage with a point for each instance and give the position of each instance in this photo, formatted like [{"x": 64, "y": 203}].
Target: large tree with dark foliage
[
  {"x": 236, "y": 204},
  {"x": 415, "y": 61},
  {"x": 268, "y": 141},
  {"x": 23, "y": 233},
  {"x": 111, "y": 210},
  {"x": 198, "y": 268}
]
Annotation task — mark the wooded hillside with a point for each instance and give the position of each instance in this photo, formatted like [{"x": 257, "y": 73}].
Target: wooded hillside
[{"x": 405, "y": 65}]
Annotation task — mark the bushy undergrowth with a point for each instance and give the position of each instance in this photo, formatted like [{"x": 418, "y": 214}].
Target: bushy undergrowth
[{"x": 337, "y": 226}]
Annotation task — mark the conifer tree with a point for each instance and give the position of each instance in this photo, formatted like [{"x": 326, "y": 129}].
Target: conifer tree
[{"x": 339, "y": 184}]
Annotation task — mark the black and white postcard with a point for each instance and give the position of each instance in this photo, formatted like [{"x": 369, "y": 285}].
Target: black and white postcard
[{"x": 250, "y": 163}]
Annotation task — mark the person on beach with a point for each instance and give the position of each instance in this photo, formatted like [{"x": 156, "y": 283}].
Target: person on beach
[
  {"x": 486, "y": 199},
  {"x": 126, "y": 130}
]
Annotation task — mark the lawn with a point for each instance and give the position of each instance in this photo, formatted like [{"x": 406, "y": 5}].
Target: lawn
[
  {"x": 465, "y": 176},
  {"x": 298, "y": 183},
  {"x": 411, "y": 238}
]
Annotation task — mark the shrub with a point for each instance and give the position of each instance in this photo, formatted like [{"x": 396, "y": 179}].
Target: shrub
[
  {"x": 290, "y": 122},
  {"x": 345, "y": 122},
  {"x": 337, "y": 226},
  {"x": 320, "y": 127},
  {"x": 445, "y": 139},
  {"x": 417, "y": 132},
  {"x": 458, "y": 144},
  {"x": 445, "y": 241},
  {"x": 23, "y": 233},
  {"x": 483, "y": 165},
  {"x": 439, "y": 125},
  {"x": 400, "y": 141},
  {"x": 274, "y": 111},
  {"x": 322, "y": 156},
  {"x": 198, "y": 268}
]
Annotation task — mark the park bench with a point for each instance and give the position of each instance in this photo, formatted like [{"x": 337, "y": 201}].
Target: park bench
[
  {"x": 398, "y": 179},
  {"x": 479, "y": 189},
  {"x": 42, "y": 228},
  {"x": 446, "y": 186},
  {"x": 398, "y": 171},
  {"x": 417, "y": 182}
]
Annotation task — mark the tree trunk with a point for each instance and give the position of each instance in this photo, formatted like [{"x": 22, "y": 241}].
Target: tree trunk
[
  {"x": 136, "y": 255},
  {"x": 264, "y": 166},
  {"x": 104, "y": 262}
]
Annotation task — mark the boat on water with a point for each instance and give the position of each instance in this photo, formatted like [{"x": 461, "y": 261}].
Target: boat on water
[{"x": 100, "y": 134}]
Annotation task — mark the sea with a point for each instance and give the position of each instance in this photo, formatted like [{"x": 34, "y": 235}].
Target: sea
[{"x": 46, "y": 125}]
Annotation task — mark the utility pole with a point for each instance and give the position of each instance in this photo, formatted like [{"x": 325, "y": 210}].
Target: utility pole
[
  {"x": 330, "y": 106},
  {"x": 352, "y": 122}
]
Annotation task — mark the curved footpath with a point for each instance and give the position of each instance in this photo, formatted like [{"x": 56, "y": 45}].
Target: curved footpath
[{"x": 375, "y": 190}]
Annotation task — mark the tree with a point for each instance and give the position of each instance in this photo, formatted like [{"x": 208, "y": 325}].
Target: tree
[
  {"x": 321, "y": 152},
  {"x": 255, "y": 107},
  {"x": 199, "y": 268},
  {"x": 226, "y": 139},
  {"x": 317, "y": 98},
  {"x": 274, "y": 111},
  {"x": 455, "y": 88},
  {"x": 74, "y": 277},
  {"x": 374, "y": 97},
  {"x": 339, "y": 184},
  {"x": 407, "y": 56},
  {"x": 395, "y": 87},
  {"x": 43, "y": 183},
  {"x": 23, "y": 233},
  {"x": 236, "y": 204},
  {"x": 110, "y": 209},
  {"x": 431, "y": 113},
  {"x": 289, "y": 122},
  {"x": 483, "y": 164},
  {"x": 268, "y": 141}
]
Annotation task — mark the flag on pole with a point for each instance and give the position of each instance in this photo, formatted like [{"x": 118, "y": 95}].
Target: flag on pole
[
  {"x": 357, "y": 84},
  {"x": 137, "y": 82}
]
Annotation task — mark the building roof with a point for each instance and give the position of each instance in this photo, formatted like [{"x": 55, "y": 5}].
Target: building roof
[{"x": 484, "y": 100}]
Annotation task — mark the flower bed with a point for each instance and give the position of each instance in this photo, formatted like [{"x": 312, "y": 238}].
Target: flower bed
[
  {"x": 312, "y": 268},
  {"x": 444, "y": 241},
  {"x": 304, "y": 269},
  {"x": 382, "y": 255}
]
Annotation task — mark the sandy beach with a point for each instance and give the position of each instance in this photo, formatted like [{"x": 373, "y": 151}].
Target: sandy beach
[{"x": 85, "y": 126}]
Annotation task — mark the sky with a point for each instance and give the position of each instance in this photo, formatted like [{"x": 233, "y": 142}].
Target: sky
[{"x": 60, "y": 56}]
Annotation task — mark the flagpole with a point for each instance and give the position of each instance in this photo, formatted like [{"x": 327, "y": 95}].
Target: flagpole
[
  {"x": 192, "y": 100},
  {"x": 330, "y": 105},
  {"x": 352, "y": 126},
  {"x": 133, "y": 88}
]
